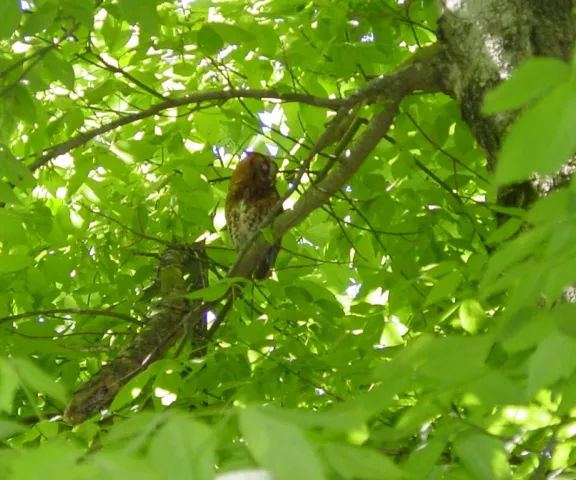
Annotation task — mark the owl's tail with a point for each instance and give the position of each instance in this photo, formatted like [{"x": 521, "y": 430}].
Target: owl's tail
[{"x": 266, "y": 263}]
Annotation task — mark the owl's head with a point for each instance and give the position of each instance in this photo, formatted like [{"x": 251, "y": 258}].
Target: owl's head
[{"x": 256, "y": 169}]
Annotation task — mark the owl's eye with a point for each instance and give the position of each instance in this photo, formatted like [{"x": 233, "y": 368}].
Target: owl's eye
[{"x": 265, "y": 166}]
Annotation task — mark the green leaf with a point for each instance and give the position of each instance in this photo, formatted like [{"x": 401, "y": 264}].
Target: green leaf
[
  {"x": 52, "y": 459},
  {"x": 554, "y": 358},
  {"x": 8, "y": 428},
  {"x": 10, "y": 14},
  {"x": 533, "y": 78},
  {"x": 116, "y": 466},
  {"x": 362, "y": 463},
  {"x": 279, "y": 447},
  {"x": 139, "y": 151},
  {"x": 141, "y": 12},
  {"x": 41, "y": 19},
  {"x": 7, "y": 195},
  {"x": 421, "y": 461},
  {"x": 15, "y": 170},
  {"x": 209, "y": 40},
  {"x": 24, "y": 104},
  {"x": 268, "y": 235},
  {"x": 59, "y": 69},
  {"x": 444, "y": 289},
  {"x": 82, "y": 12},
  {"x": 495, "y": 388},
  {"x": 14, "y": 262},
  {"x": 413, "y": 418},
  {"x": 564, "y": 315},
  {"x": 9, "y": 384},
  {"x": 128, "y": 392},
  {"x": 74, "y": 120},
  {"x": 523, "y": 151},
  {"x": 453, "y": 360},
  {"x": 207, "y": 125},
  {"x": 376, "y": 324},
  {"x": 472, "y": 315},
  {"x": 331, "y": 420},
  {"x": 550, "y": 209},
  {"x": 507, "y": 230},
  {"x": 394, "y": 377},
  {"x": 103, "y": 90},
  {"x": 135, "y": 430},
  {"x": 512, "y": 252},
  {"x": 568, "y": 396},
  {"x": 115, "y": 36},
  {"x": 39, "y": 381},
  {"x": 484, "y": 457},
  {"x": 209, "y": 294},
  {"x": 231, "y": 34},
  {"x": 184, "y": 449}
]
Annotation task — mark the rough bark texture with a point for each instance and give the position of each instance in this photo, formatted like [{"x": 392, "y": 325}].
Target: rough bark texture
[
  {"x": 181, "y": 270},
  {"x": 483, "y": 42}
]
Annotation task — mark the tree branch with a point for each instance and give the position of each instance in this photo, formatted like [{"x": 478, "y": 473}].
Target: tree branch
[
  {"x": 392, "y": 88},
  {"x": 222, "y": 95},
  {"x": 379, "y": 87},
  {"x": 73, "y": 311}
]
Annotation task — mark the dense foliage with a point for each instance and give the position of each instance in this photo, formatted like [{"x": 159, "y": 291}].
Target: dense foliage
[{"x": 403, "y": 335}]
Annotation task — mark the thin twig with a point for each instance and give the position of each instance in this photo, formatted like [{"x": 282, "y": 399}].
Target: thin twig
[
  {"x": 73, "y": 311},
  {"x": 59, "y": 336},
  {"x": 124, "y": 73},
  {"x": 437, "y": 179},
  {"x": 440, "y": 149},
  {"x": 40, "y": 54},
  {"x": 129, "y": 229}
]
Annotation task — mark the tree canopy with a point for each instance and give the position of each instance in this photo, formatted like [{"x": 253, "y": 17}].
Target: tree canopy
[{"x": 416, "y": 325}]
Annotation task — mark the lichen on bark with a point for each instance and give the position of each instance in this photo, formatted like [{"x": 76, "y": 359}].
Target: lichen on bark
[{"x": 483, "y": 42}]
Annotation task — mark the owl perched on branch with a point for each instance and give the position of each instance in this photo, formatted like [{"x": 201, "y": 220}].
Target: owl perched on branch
[{"x": 251, "y": 195}]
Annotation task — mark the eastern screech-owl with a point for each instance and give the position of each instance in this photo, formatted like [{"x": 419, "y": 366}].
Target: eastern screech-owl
[{"x": 251, "y": 195}]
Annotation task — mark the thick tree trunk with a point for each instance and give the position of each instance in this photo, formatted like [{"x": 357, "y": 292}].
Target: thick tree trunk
[{"x": 483, "y": 42}]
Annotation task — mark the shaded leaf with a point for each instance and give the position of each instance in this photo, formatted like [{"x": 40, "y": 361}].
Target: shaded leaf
[
  {"x": 59, "y": 68},
  {"x": 9, "y": 384},
  {"x": 279, "y": 447},
  {"x": 209, "y": 40},
  {"x": 356, "y": 462},
  {"x": 484, "y": 457},
  {"x": 14, "y": 262},
  {"x": 39, "y": 381},
  {"x": 11, "y": 14},
  {"x": 15, "y": 170},
  {"x": 141, "y": 12},
  {"x": 472, "y": 315},
  {"x": 554, "y": 358},
  {"x": 183, "y": 449},
  {"x": 533, "y": 78},
  {"x": 523, "y": 151}
]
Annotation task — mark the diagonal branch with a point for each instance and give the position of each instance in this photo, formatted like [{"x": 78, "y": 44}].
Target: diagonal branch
[
  {"x": 393, "y": 89},
  {"x": 179, "y": 270}
]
